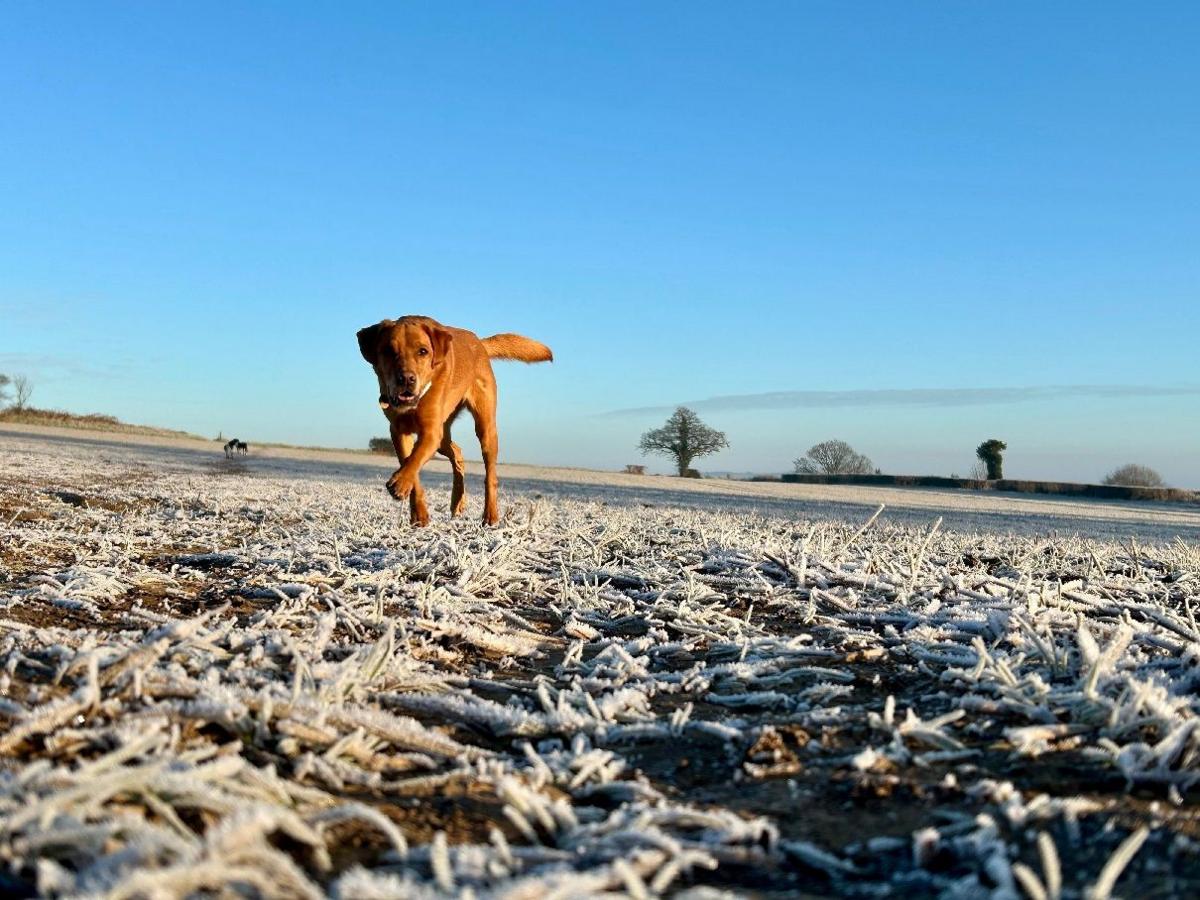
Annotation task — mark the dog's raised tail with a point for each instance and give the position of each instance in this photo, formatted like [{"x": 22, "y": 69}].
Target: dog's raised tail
[{"x": 518, "y": 347}]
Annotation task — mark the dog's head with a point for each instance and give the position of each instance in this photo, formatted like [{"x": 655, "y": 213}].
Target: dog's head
[{"x": 406, "y": 354}]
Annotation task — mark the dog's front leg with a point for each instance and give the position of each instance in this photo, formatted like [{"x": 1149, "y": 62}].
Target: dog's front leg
[
  {"x": 406, "y": 480},
  {"x": 418, "y": 512}
]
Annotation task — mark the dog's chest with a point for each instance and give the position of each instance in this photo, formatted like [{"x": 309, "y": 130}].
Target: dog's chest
[{"x": 404, "y": 421}]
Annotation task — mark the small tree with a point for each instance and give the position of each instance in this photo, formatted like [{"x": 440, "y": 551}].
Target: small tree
[
  {"x": 833, "y": 458},
  {"x": 380, "y": 445},
  {"x": 991, "y": 453},
  {"x": 5, "y": 381},
  {"x": 22, "y": 391},
  {"x": 684, "y": 438},
  {"x": 1134, "y": 475}
]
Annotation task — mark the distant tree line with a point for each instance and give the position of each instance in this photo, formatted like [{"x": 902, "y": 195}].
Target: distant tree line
[{"x": 684, "y": 438}]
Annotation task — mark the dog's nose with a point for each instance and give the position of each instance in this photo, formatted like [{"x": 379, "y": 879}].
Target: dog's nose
[{"x": 408, "y": 382}]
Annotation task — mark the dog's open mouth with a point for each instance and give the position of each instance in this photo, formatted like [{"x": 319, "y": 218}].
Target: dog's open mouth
[{"x": 400, "y": 401}]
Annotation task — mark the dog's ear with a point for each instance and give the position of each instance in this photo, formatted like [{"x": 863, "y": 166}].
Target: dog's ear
[
  {"x": 368, "y": 342},
  {"x": 441, "y": 340}
]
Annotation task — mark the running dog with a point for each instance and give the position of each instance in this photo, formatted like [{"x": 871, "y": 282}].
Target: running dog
[{"x": 428, "y": 373}]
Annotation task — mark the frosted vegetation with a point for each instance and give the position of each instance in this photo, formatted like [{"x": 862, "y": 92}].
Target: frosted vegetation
[{"x": 215, "y": 681}]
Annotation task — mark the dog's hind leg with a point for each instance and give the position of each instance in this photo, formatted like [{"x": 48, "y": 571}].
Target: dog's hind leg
[
  {"x": 458, "y": 492},
  {"x": 484, "y": 414},
  {"x": 418, "y": 511}
]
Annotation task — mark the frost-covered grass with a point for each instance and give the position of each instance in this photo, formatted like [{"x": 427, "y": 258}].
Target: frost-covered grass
[{"x": 218, "y": 679}]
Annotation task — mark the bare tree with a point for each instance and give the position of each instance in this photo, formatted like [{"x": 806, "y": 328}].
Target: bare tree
[
  {"x": 684, "y": 438},
  {"x": 5, "y": 381},
  {"x": 22, "y": 391},
  {"x": 1134, "y": 475},
  {"x": 833, "y": 458}
]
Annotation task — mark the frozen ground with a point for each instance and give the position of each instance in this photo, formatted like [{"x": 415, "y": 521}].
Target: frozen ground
[
  {"x": 960, "y": 510},
  {"x": 232, "y": 678}
]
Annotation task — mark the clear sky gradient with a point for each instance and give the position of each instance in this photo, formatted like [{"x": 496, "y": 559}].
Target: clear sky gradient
[{"x": 913, "y": 226}]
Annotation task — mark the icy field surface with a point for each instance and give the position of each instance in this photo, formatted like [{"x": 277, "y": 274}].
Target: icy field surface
[{"x": 252, "y": 678}]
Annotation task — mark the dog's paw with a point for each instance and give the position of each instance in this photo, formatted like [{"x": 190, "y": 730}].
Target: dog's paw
[{"x": 400, "y": 485}]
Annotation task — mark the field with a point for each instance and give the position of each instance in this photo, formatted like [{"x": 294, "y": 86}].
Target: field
[
  {"x": 56, "y": 418},
  {"x": 251, "y": 678}
]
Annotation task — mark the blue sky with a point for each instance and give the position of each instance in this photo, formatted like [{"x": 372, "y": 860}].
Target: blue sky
[{"x": 914, "y": 226}]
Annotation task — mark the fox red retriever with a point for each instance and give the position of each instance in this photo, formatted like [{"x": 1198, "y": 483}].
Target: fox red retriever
[{"x": 428, "y": 374}]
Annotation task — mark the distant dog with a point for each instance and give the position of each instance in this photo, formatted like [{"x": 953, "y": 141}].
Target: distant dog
[
  {"x": 231, "y": 447},
  {"x": 428, "y": 373},
  {"x": 242, "y": 447}
]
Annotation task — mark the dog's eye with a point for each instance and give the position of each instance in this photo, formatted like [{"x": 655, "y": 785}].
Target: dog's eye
[{"x": 424, "y": 351}]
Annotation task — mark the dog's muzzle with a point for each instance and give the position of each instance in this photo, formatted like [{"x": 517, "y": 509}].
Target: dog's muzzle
[{"x": 404, "y": 399}]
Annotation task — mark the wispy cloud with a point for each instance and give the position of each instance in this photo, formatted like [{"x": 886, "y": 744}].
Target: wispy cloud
[
  {"x": 57, "y": 367},
  {"x": 929, "y": 397}
]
